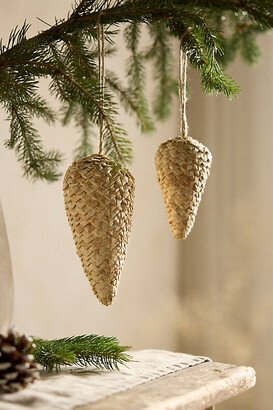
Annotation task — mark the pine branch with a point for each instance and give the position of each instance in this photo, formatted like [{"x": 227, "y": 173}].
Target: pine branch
[
  {"x": 117, "y": 145},
  {"x": 69, "y": 85},
  {"x": 67, "y": 54},
  {"x": 86, "y": 350},
  {"x": 160, "y": 53},
  {"x": 24, "y": 138},
  {"x": 239, "y": 36},
  {"x": 129, "y": 101},
  {"x": 136, "y": 73},
  {"x": 83, "y": 123},
  {"x": 84, "y": 146},
  {"x": 143, "y": 11},
  {"x": 139, "y": 11},
  {"x": 16, "y": 37},
  {"x": 213, "y": 79},
  {"x": 259, "y": 11}
]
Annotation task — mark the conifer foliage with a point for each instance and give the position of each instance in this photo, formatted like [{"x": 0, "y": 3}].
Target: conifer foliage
[
  {"x": 101, "y": 352},
  {"x": 213, "y": 32}
]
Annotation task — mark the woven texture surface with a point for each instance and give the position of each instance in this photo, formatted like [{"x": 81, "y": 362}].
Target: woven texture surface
[
  {"x": 66, "y": 391},
  {"x": 183, "y": 166},
  {"x": 98, "y": 198}
]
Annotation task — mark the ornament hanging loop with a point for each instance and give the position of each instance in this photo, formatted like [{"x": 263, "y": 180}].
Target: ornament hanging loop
[
  {"x": 183, "y": 63},
  {"x": 101, "y": 53}
]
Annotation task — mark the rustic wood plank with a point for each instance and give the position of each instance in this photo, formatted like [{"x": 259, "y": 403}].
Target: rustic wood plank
[{"x": 197, "y": 388}]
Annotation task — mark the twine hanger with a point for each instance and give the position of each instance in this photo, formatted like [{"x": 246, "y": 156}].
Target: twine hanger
[
  {"x": 101, "y": 52},
  {"x": 183, "y": 63}
]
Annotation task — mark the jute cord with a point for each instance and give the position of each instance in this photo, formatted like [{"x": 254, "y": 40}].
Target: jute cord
[
  {"x": 183, "y": 62},
  {"x": 101, "y": 52}
]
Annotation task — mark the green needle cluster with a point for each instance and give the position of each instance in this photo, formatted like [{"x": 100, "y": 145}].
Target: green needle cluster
[{"x": 87, "y": 350}]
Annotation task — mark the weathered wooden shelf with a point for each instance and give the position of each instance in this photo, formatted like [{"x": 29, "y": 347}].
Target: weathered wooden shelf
[{"x": 196, "y": 388}]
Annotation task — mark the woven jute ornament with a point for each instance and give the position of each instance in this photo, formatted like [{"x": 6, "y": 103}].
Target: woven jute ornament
[
  {"x": 17, "y": 368},
  {"x": 183, "y": 166},
  {"x": 98, "y": 196}
]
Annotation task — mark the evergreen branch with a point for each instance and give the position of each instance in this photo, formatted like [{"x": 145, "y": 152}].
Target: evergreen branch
[
  {"x": 16, "y": 37},
  {"x": 84, "y": 147},
  {"x": 117, "y": 145},
  {"x": 139, "y": 11},
  {"x": 242, "y": 37},
  {"x": 136, "y": 73},
  {"x": 213, "y": 32},
  {"x": 85, "y": 92},
  {"x": 86, "y": 350},
  {"x": 213, "y": 79},
  {"x": 82, "y": 122},
  {"x": 250, "y": 51},
  {"x": 24, "y": 138},
  {"x": 129, "y": 102},
  {"x": 259, "y": 11},
  {"x": 20, "y": 99},
  {"x": 115, "y": 142},
  {"x": 160, "y": 53}
]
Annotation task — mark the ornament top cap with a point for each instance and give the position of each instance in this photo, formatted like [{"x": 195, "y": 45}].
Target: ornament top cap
[
  {"x": 97, "y": 159},
  {"x": 190, "y": 143},
  {"x": 94, "y": 157}
]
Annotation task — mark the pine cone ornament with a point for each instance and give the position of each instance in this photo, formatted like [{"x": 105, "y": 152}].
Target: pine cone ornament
[
  {"x": 17, "y": 368},
  {"x": 183, "y": 166},
  {"x": 98, "y": 196}
]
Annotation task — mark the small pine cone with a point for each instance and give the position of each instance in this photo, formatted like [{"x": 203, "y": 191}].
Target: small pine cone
[
  {"x": 98, "y": 196},
  {"x": 183, "y": 166},
  {"x": 17, "y": 368}
]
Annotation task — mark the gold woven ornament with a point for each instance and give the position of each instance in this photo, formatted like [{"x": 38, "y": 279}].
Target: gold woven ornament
[
  {"x": 98, "y": 196},
  {"x": 183, "y": 166}
]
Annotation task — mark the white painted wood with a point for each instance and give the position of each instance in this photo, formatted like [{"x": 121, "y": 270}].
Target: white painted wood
[
  {"x": 6, "y": 279},
  {"x": 196, "y": 388}
]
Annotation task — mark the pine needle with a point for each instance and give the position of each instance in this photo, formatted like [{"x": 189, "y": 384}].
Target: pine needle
[{"x": 87, "y": 350}]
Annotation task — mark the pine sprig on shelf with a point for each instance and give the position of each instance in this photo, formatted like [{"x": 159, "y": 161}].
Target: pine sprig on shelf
[
  {"x": 212, "y": 34},
  {"x": 87, "y": 350}
]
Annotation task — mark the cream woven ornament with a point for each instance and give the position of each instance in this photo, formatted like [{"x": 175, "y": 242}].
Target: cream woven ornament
[
  {"x": 98, "y": 198},
  {"x": 183, "y": 166}
]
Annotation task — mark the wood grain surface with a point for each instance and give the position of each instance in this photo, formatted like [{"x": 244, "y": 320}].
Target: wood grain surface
[{"x": 196, "y": 388}]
